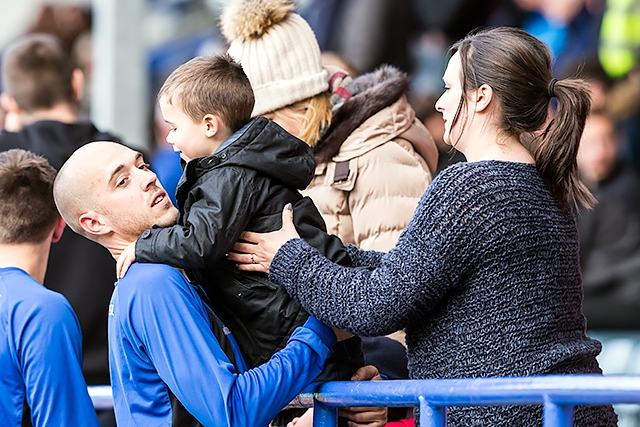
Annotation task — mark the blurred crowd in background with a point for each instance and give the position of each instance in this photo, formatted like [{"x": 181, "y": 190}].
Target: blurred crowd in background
[{"x": 598, "y": 40}]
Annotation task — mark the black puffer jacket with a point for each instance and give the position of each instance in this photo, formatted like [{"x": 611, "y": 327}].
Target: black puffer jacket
[{"x": 243, "y": 187}]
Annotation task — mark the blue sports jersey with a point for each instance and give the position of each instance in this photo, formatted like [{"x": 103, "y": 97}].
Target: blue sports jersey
[
  {"x": 160, "y": 339},
  {"x": 40, "y": 355}
]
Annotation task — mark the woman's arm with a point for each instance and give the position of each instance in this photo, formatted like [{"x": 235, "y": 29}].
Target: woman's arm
[
  {"x": 408, "y": 282},
  {"x": 364, "y": 258}
]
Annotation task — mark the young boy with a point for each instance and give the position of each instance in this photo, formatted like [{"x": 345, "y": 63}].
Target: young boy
[
  {"x": 238, "y": 176},
  {"x": 40, "y": 340}
]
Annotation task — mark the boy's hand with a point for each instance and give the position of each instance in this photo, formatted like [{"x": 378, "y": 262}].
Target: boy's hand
[{"x": 127, "y": 257}]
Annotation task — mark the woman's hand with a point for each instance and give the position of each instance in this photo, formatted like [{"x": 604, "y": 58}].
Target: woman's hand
[{"x": 255, "y": 251}]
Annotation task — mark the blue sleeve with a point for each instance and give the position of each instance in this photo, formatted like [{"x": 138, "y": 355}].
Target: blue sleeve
[
  {"x": 49, "y": 353},
  {"x": 225, "y": 203},
  {"x": 172, "y": 323}
]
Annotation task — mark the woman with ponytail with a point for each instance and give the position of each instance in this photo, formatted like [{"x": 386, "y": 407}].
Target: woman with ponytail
[{"x": 486, "y": 277}]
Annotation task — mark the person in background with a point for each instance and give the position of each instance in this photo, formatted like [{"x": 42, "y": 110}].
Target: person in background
[
  {"x": 373, "y": 157},
  {"x": 40, "y": 341},
  {"x": 41, "y": 89},
  {"x": 610, "y": 232},
  {"x": 486, "y": 277}
]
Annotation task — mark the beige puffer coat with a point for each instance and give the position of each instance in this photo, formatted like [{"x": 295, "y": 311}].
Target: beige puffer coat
[{"x": 367, "y": 192}]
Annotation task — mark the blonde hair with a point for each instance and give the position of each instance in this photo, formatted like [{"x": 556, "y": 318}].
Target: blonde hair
[{"x": 314, "y": 115}]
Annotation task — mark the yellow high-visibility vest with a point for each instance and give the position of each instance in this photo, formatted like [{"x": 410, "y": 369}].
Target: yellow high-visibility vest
[{"x": 619, "y": 48}]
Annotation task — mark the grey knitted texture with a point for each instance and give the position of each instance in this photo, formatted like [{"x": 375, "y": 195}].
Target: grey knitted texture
[{"x": 485, "y": 279}]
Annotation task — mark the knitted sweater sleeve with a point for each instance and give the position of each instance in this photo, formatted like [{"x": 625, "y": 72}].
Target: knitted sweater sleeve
[
  {"x": 431, "y": 256},
  {"x": 363, "y": 258}
]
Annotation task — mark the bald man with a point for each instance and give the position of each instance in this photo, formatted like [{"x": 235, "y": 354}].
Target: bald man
[{"x": 172, "y": 362}]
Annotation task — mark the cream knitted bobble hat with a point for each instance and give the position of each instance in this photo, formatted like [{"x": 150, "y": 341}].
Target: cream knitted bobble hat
[{"x": 277, "y": 50}]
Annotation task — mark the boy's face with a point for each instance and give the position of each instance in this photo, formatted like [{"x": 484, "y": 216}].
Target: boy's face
[{"x": 186, "y": 136}]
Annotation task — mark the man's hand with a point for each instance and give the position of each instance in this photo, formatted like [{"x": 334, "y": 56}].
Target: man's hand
[
  {"x": 126, "y": 258},
  {"x": 365, "y": 416},
  {"x": 357, "y": 417}
]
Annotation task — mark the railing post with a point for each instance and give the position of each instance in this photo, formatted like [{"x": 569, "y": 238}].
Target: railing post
[
  {"x": 555, "y": 415},
  {"x": 324, "y": 416},
  {"x": 432, "y": 416}
]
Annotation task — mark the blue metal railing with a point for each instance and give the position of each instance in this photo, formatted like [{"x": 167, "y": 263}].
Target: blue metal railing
[
  {"x": 101, "y": 396},
  {"x": 557, "y": 393}
]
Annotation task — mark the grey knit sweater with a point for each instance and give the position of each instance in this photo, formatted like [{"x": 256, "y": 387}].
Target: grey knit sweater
[{"x": 485, "y": 279}]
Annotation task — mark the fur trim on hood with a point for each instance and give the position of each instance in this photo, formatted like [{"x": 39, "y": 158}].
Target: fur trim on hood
[{"x": 373, "y": 92}]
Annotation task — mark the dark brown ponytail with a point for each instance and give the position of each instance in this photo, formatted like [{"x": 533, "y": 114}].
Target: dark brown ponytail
[
  {"x": 517, "y": 66},
  {"x": 557, "y": 148}
]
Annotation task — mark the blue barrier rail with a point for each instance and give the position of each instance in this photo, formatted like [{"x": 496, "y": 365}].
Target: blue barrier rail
[{"x": 557, "y": 393}]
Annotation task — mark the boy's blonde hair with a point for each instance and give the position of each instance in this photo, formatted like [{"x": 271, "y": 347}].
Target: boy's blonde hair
[{"x": 211, "y": 85}]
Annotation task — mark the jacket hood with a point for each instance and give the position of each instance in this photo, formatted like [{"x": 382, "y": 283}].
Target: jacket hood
[
  {"x": 54, "y": 140},
  {"x": 373, "y": 92},
  {"x": 272, "y": 151}
]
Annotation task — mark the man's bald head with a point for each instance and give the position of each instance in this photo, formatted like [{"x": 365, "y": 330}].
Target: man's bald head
[
  {"x": 106, "y": 192},
  {"x": 72, "y": 189}
]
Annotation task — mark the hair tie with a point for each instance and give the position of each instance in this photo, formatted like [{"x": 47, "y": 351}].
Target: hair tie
[{"x": 550, "y": 89}]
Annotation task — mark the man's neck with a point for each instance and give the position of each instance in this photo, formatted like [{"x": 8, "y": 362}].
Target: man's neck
[
  {"x": 116, "y": 244},
  {"x": 30, "y": 257},
  {"x": 65, "y": 113}
]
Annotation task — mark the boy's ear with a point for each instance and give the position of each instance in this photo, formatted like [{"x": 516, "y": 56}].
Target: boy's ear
[
  {"x": 93, "y": 224},
  {"x": 212, "y": 125}
]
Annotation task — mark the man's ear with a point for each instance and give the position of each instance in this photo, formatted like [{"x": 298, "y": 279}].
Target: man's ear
[
  {"x": 212, "y": 125},
  {"x": 93, "y": 224},
  {"x": 13, "y": 113},
  {"x": 58, "y": 229},
  {"x": 483, "y": 98},
  {"x": 77, "y": 82},
  {"x": 9, "y": 104}
]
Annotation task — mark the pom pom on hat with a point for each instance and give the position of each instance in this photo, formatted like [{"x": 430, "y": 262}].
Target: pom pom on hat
[
  {"x": 277, "y": 50},
  {"x": 249, "y": 19}
]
